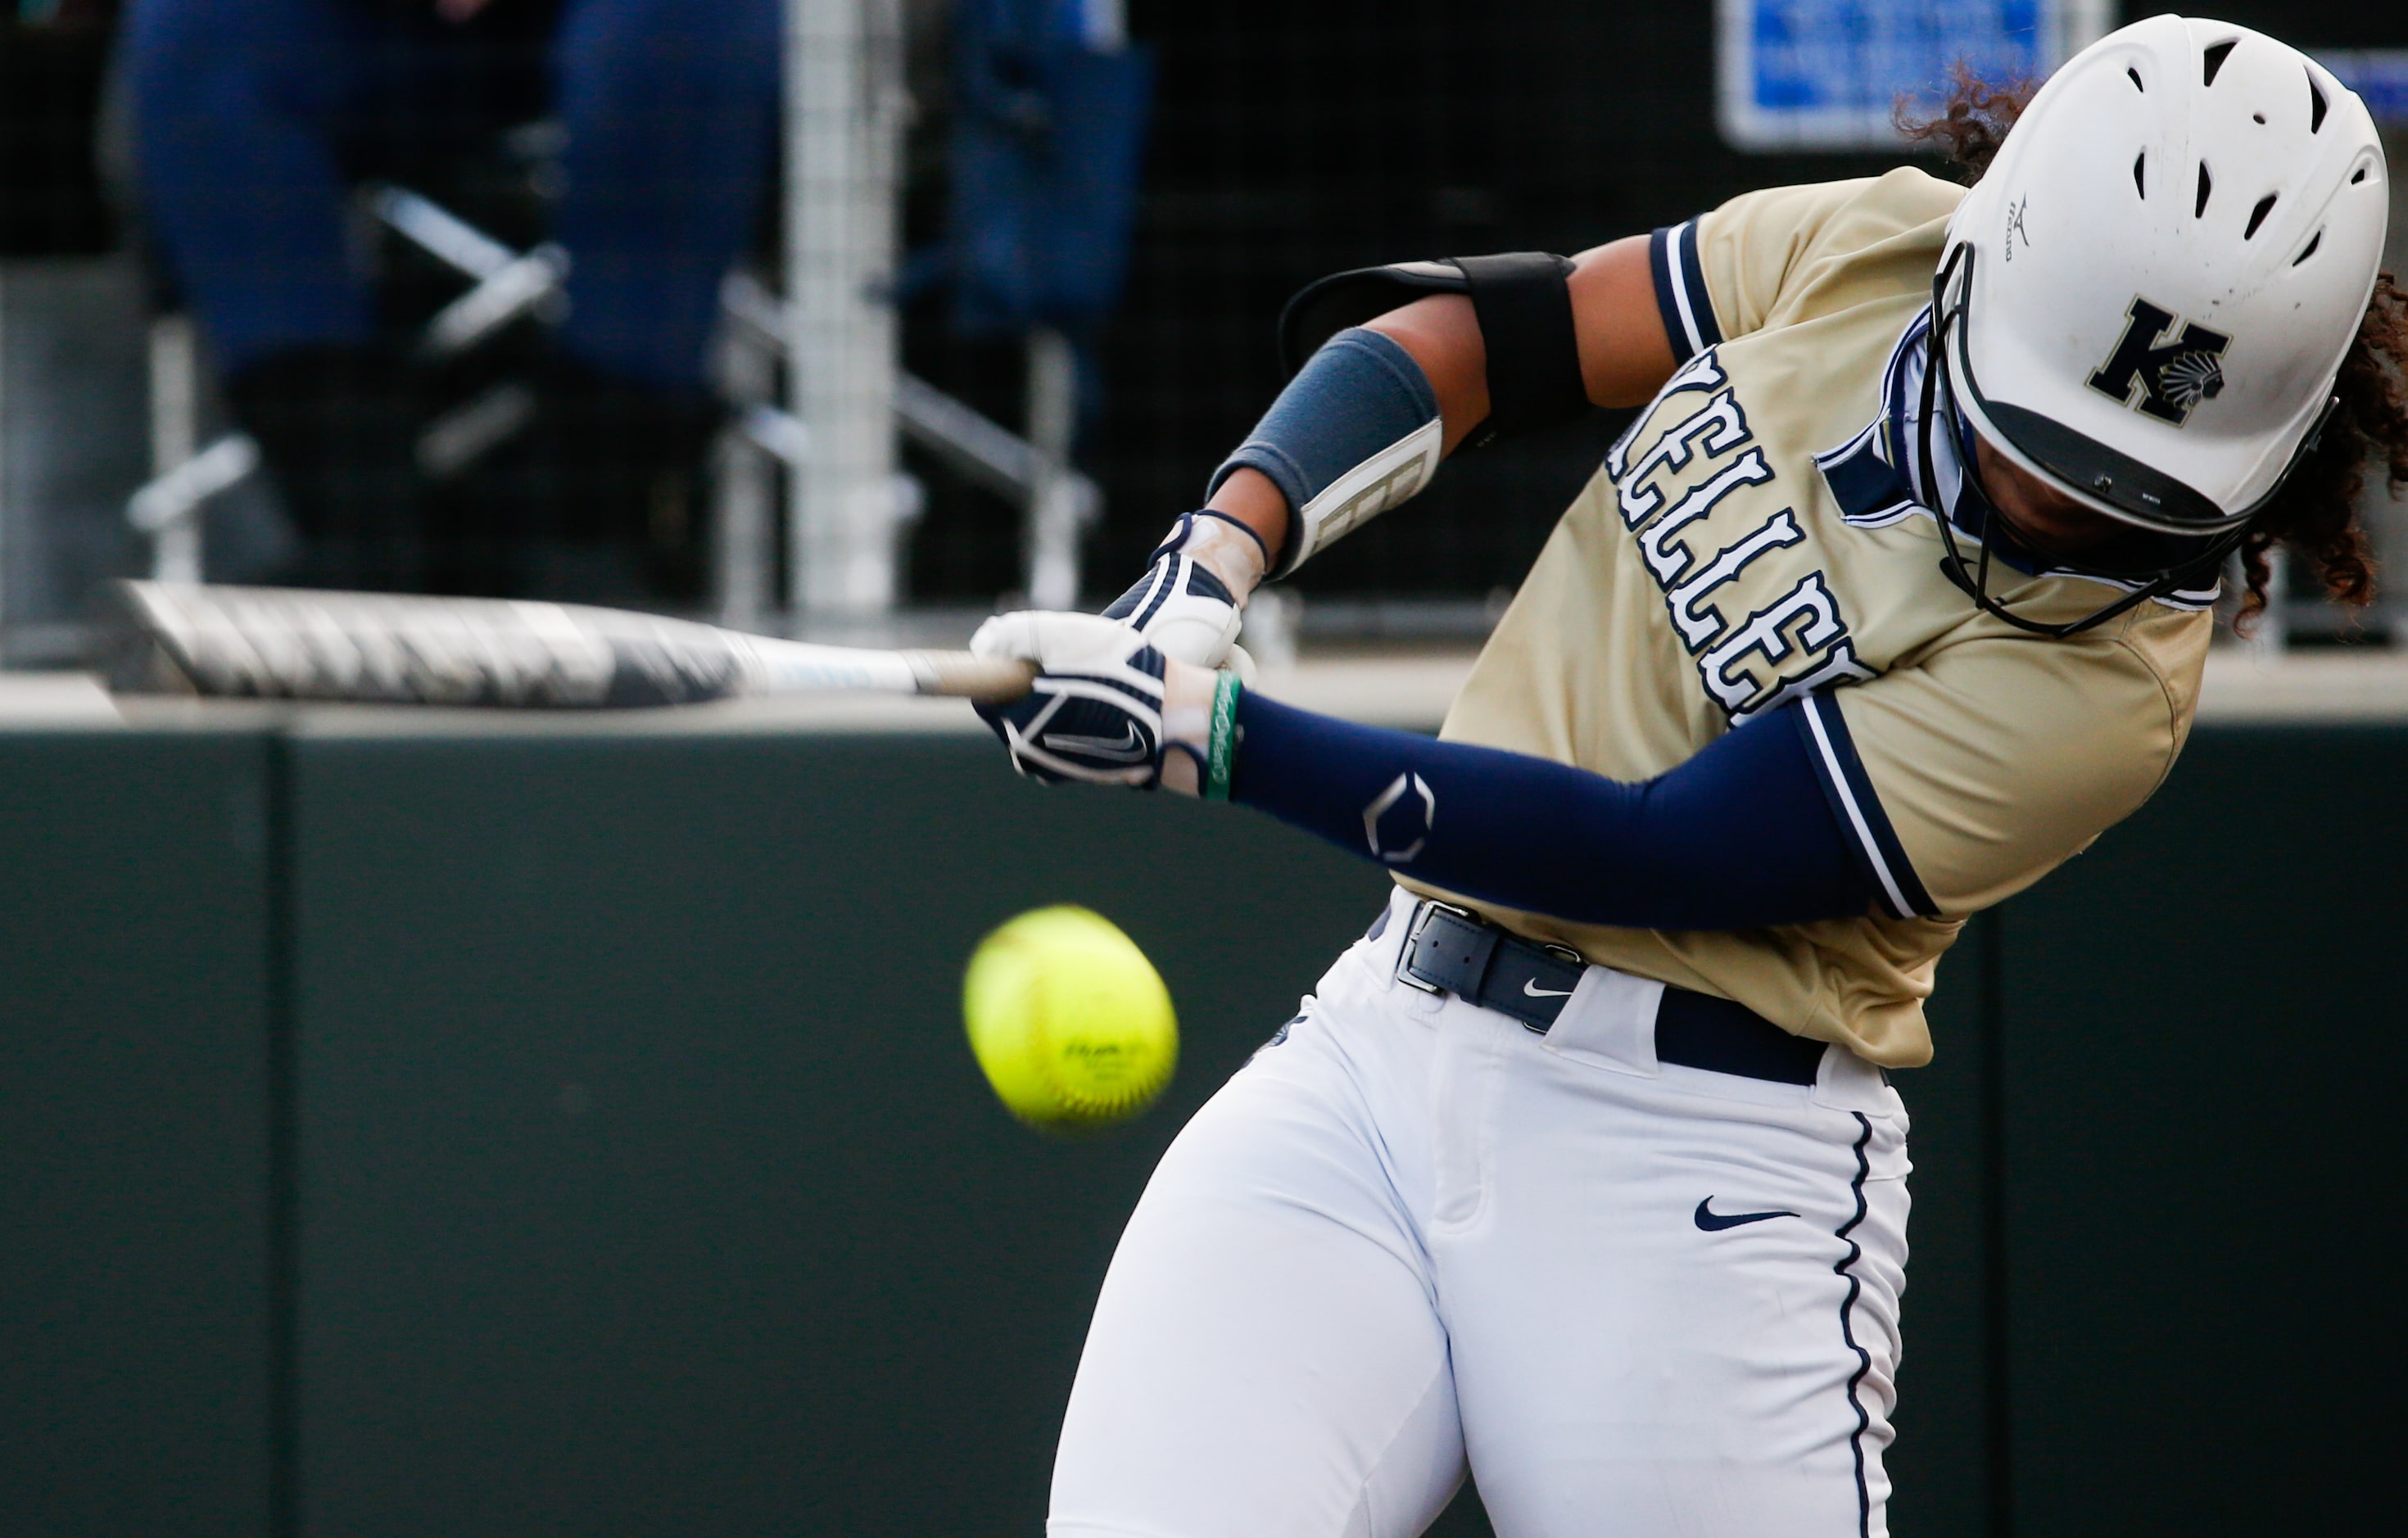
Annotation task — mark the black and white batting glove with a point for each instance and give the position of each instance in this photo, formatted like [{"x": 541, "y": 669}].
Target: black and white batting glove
[
  {"x": 1192, "y": 599},
  {"x": 1095, "y": 712}
]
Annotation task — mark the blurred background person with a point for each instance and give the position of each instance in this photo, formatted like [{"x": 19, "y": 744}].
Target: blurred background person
[{"x": 255, "y": 120}]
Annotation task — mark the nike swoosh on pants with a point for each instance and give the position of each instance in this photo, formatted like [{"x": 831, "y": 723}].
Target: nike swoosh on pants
[{"x": 1714, "y": 1222}]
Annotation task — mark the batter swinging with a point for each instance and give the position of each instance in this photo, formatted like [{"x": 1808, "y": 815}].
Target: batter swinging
[{"x": 1580, "y": 1171}]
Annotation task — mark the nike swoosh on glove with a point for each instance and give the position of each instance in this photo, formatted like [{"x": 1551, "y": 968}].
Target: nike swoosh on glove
[
  {"x": 1093, "y": 714},
  {"x": 1184, "y": 607}
]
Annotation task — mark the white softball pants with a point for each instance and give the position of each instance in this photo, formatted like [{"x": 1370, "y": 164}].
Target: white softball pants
[{"x": 1412, "y": 1238}]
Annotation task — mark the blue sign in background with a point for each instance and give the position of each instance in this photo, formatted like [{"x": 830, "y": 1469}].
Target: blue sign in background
[
  {"x": 1828, "y": 73},
  {"x": 1851, "y": 54},
  {"x": 2379, "y": 75}
]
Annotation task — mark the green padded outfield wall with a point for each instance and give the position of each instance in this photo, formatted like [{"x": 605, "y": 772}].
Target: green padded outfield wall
[
  {"x": 647, "y": 1185},
  {"x": 2207, "y": 1035},
  {"x": 139, "y": 1361},
  {"x": 626, "y": 1174}
]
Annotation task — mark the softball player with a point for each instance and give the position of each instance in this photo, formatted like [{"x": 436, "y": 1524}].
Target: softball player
[{"x": 1581, "y": 1172}]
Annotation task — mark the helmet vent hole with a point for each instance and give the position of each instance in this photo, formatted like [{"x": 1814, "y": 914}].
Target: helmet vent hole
[
  {"x": 2313, "y": 241},
  {"x": 2315, "y": 105},
  {"x": 2136, "y": 80},
  {"x": 2257, "y": 215},
  {"x": 2359, "y": 176},
  {"x": 2257, "y": 118},
  {"x": 2216, "y": 57},
  {"x": 2206, "y": 185},
  {"x": 2141, "y": 174}
]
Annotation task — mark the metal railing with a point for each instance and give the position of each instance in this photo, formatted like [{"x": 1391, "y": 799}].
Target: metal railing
[{"x": 758, "y": 344}]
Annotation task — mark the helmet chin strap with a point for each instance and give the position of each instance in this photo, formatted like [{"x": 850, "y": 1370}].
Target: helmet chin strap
[{"x": 1974, "y": 577}]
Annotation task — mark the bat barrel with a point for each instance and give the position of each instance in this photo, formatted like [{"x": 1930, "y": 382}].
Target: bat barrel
[
  {"x": 292, "y": 643},
  {"x": 287, "y": 644}
]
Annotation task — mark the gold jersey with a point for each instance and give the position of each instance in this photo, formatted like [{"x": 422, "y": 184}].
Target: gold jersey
[{"x": 1761, "y": 535}]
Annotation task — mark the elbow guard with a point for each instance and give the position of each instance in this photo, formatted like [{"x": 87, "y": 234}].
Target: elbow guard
[{"x": 1523, "y": 304}]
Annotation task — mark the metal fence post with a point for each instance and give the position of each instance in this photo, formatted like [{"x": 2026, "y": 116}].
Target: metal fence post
[
  {"x": 175, "y": 436},
  {"x": 844, "y": 117},
  {"x": 6, "y": 499},
  {"x": 744, "y": 487},
  {"x": 1060, "y": 503}
]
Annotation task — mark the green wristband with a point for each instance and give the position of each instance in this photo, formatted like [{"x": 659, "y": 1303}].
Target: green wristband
[{"x": 1221, "y": 752}]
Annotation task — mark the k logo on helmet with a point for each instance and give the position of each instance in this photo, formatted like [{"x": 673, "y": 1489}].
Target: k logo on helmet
[{"x": 2169, "y": 376}]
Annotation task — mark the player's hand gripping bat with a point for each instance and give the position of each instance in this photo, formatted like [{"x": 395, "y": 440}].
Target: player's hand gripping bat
[{"x": 291, "y": 643}]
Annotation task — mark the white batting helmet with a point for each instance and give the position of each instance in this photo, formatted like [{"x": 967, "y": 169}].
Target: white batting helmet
[{"x": 2146, "y": 297}]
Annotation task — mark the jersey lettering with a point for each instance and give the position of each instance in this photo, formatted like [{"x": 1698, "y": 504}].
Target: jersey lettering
[
  {"x": 1840, "y": 667},
  {"x": 1718, "y": 430},
  {"x": 1697, "y": 628},
  {"x": 1701, "y": 372},
  {"x": 1767, "y": 634},
  {"x": 1668, "y": 557},
  {"x": 1667, "y": 487}
]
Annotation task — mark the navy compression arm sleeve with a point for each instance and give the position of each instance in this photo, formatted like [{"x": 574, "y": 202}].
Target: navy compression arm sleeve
[{"x": 1740, "y": 835}]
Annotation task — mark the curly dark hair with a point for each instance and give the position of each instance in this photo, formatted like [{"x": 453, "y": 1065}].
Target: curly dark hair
[
  {"x": 1973, "y": 123},
  {"x": 2316, "y": 514}
]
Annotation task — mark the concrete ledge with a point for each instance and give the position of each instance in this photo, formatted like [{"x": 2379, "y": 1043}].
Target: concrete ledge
[
  {"x": 2304, "y": 687},
  {"x": 1409, "y": 689},
  {"x": 72, "y": 700}
]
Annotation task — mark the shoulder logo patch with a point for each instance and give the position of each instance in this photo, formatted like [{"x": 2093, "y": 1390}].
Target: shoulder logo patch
[{"x": 2162, "y": 365}]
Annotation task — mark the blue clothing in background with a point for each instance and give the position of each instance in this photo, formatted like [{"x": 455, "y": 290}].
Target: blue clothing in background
[
  {"x": 1047, "y": 135},
  {"x": 253, "y": 117}
]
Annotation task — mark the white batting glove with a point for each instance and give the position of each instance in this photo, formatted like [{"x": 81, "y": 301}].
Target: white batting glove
[
  {"x": 1105, "y": 705},
  {"x": 1093, "y": 714},
  {"x": 1190, "y": 601}
]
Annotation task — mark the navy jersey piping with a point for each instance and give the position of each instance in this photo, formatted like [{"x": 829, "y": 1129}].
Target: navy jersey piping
[
  {"x": 1681, "y": 294},
  {"x": 1848, "y": 1329},
  {"x": 1856, "y": 807}
]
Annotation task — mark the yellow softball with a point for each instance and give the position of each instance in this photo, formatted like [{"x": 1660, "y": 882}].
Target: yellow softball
[{"x": 1069, "y": 1020}]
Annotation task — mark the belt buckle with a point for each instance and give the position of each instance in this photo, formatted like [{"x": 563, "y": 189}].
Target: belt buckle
[{"x": 1413, "y": 938}]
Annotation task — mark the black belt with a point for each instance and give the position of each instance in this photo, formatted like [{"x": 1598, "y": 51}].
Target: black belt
[{"x": 1449, "y": 950}]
